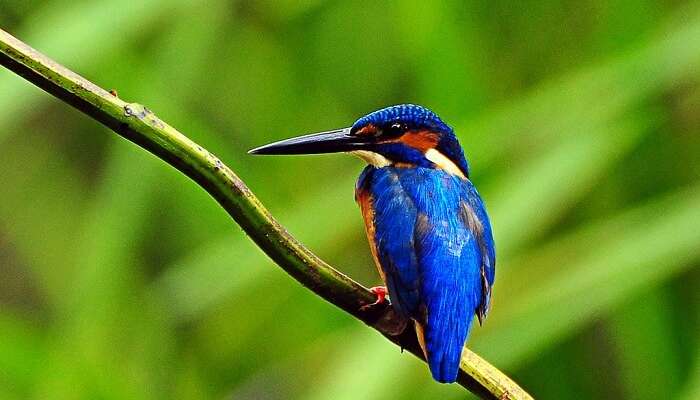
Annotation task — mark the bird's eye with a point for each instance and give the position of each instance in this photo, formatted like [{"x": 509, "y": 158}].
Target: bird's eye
[{"x": 395, "y": 129}]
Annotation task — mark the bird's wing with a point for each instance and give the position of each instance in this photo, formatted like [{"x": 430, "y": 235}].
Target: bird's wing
[
  {"x": 473, "y": 213},
  {"x": 390, "y": 217},
  {"x": 450, "y": 262}
]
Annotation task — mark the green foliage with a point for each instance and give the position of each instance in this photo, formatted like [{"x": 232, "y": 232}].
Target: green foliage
[{"x": 122, "y": 279}]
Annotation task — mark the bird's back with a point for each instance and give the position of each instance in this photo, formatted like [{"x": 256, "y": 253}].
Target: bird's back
[{"x": 431, "y": 239}]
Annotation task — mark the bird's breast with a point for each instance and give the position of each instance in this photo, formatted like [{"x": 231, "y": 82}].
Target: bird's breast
[{"x": 398, "y": 204}]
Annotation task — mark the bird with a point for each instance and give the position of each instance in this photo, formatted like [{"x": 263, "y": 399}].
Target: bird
[{"x": 427, "y": 226}]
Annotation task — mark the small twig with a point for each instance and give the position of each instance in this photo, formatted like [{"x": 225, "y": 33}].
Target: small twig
[{"x": 139, "y": 125}]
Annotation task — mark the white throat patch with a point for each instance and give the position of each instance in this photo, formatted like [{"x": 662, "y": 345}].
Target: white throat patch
[
  {"x": 377, "y": 160},
  {"x": 372, "y": 158},
  {"x": 444, "y": 163}
]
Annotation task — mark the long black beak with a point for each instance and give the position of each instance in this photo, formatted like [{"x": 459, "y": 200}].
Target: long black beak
[{"x": 335, "y": 141}]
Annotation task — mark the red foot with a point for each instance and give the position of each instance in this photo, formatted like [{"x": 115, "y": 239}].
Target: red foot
[{"x": 381, "y": 293}]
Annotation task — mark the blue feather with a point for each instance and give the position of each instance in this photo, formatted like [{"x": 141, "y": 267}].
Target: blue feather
[{"x": 433, "y": 242}]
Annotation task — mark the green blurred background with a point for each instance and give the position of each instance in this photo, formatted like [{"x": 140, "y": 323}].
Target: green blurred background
[{"x": 120, "y": 278}]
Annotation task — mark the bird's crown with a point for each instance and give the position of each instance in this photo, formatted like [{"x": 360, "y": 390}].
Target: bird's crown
[{"x": 412, "y": 116}]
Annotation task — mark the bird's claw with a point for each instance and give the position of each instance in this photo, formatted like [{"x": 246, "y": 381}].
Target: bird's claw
[{"x": 381, "y": 293}]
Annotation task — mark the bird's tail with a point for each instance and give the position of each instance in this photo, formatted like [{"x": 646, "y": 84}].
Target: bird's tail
[{"x": 442, "y": 338}]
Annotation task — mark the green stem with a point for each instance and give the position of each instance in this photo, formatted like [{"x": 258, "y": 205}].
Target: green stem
[{"x": 139, "y": 125}]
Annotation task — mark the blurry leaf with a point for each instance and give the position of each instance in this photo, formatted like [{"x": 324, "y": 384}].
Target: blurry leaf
[
  {"x": 283, "y": 10},
  {"x": 231, "y": 265},
  {"x": 531, "y": 197},
  {"x": 643, "y": 337},
  {"x": 102, "y": 26},
  {"x": 344, "y": 54},
  {"x": 592, "y": 96},
  {"x": 566, "y": 294},
  {"x": 446, "y": 54},
  {"x": 691, "y": 391},
  {"x": 40, "y": 211},
  {"x": 356, "y": 369},
  {"x": 98, "y": 307},
  {"x": 22, "y": 352}
]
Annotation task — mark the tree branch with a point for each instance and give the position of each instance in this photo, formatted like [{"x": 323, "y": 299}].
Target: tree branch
[{"x": 139, "y": 125}]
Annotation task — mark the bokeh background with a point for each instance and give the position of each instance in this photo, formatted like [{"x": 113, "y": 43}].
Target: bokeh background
[{"x": 121, "y": 279}]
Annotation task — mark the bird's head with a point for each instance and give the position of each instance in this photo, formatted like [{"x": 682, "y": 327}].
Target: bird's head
[{"x": 404, "y": 135}]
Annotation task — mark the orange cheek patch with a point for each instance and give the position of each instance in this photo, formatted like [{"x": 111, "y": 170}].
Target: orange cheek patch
[{"x": 421, "y": 140}]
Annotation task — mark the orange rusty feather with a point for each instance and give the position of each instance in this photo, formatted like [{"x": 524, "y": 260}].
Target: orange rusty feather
[{"x": 364, "y": 199}]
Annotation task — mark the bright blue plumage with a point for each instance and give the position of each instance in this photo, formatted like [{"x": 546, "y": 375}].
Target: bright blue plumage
[
  {"x": 427, "y": 227},
  {"x": 431, "y": 258}
]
